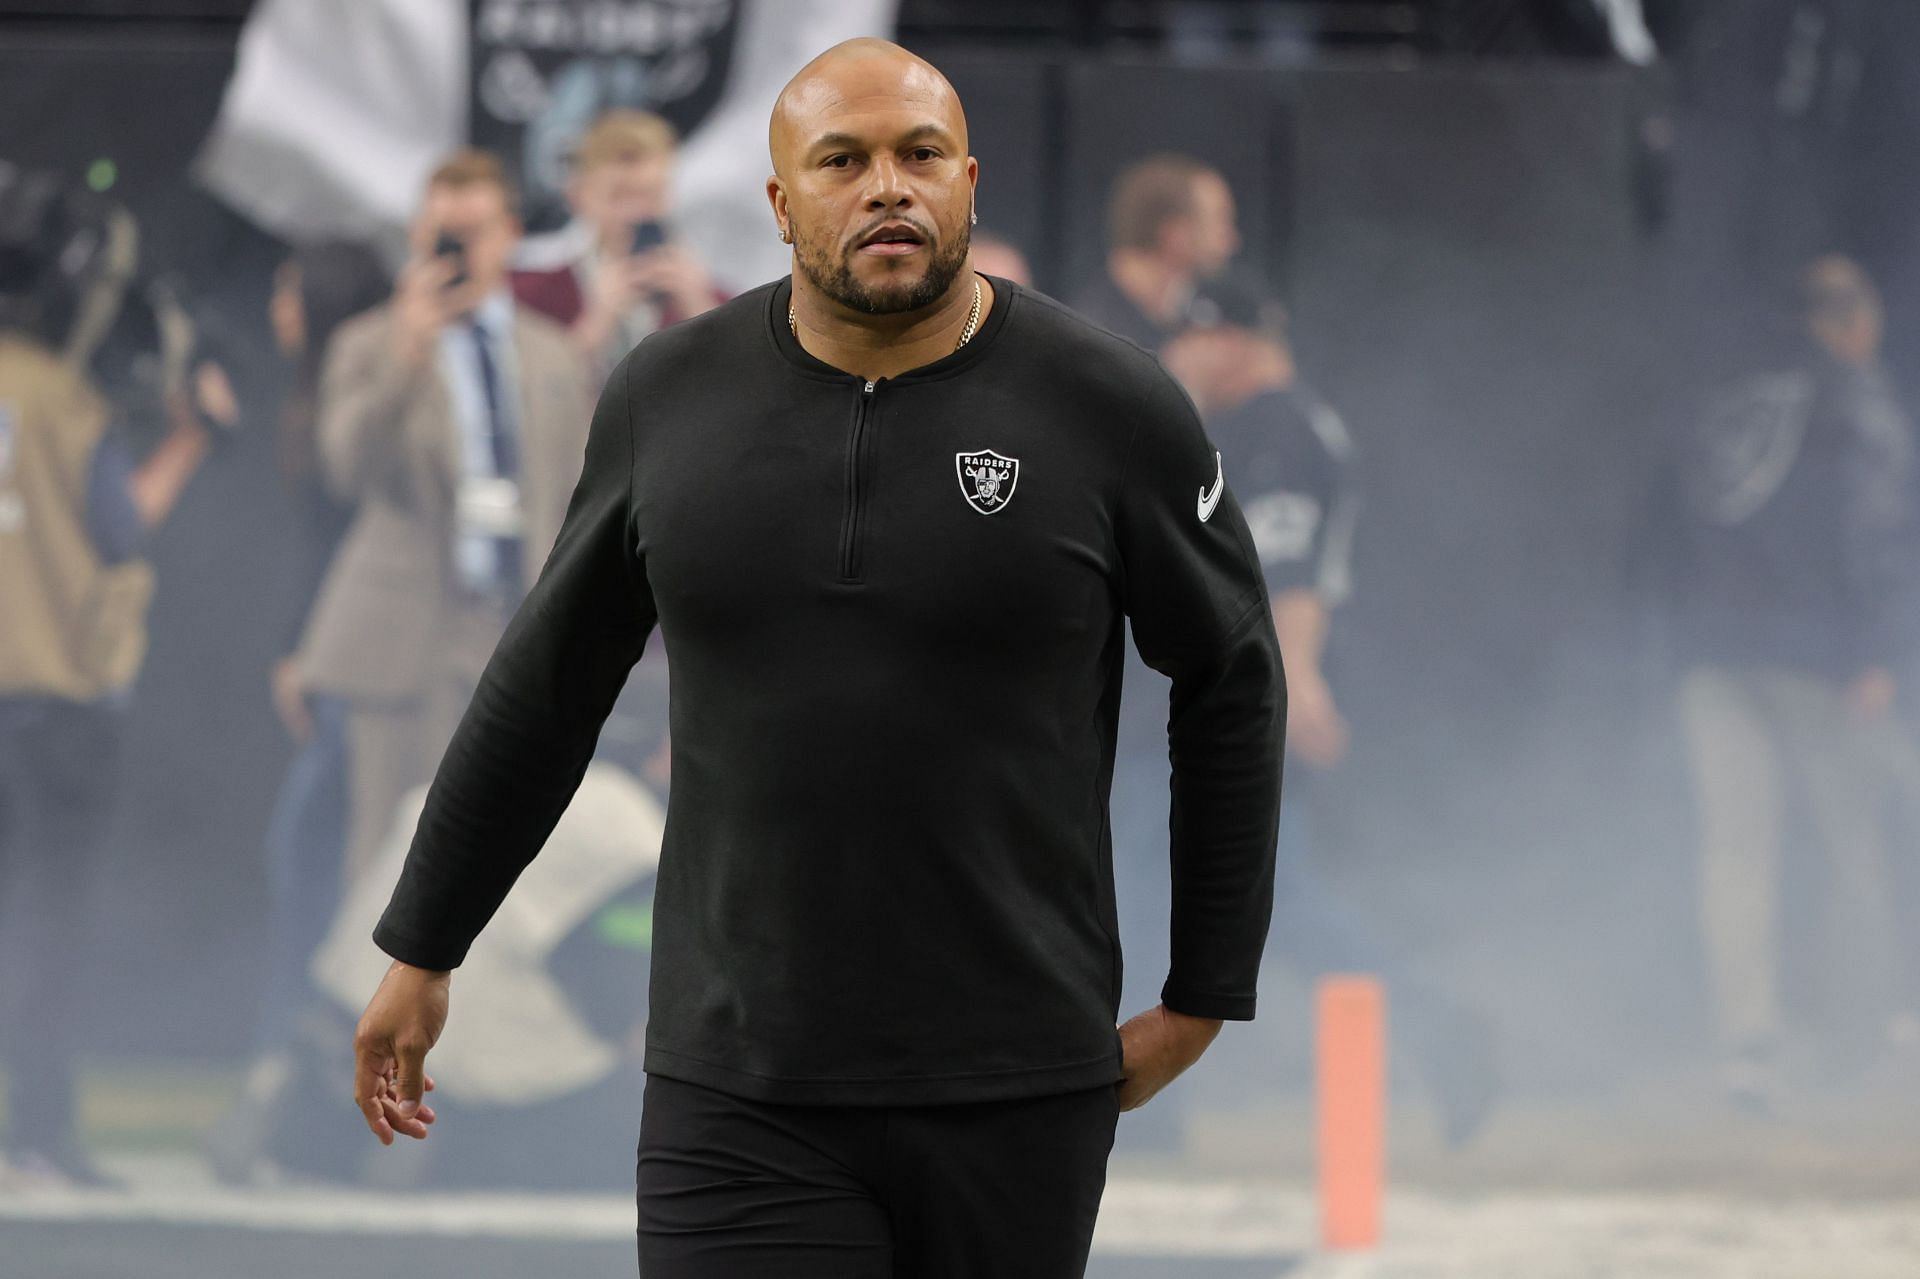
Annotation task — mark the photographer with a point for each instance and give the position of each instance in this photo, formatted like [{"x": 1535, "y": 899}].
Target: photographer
[
  {"x": 615, "y": 274},
  {"x": 453, "y": 421},
  {"x": 76, "y": 508}
]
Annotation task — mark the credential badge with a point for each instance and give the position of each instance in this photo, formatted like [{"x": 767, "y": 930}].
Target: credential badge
[
  {"x": 7, "y": 443},
  {"x": 986, "y": 479}
]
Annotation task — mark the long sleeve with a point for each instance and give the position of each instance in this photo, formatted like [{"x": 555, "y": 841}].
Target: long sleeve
[
  {"x": 1193, "y": 588},
  {"x": 364, "y": 394},
  {"x": 526, "y": 740},
  {"x": 1877, "y": 519}
]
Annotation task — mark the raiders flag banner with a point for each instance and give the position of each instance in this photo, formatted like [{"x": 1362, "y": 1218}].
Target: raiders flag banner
[{"x": 337, "y": 112}]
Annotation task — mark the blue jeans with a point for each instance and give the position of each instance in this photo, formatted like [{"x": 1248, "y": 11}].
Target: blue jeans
[{"x": 306, "y": 853}]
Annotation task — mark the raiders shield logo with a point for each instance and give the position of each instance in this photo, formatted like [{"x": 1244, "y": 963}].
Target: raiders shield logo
[{"x": 986, "y": 479}]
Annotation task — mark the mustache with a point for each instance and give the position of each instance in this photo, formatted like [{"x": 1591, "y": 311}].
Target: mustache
[{"x": 859, "y": 237}]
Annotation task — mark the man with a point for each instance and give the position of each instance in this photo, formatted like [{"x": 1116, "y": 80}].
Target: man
[
  {"x": 1293, "y": 457},
  {"x": 1170, "y": 230},
  {"x": 1797, "y": 492},
  {"x": 452, "y": 420},
  {"x": 892, "y": 515},
  {"x": 1292, "y": 453},
  {"x": 613, "y": 275},
  {"x": 76, "y": 509}
]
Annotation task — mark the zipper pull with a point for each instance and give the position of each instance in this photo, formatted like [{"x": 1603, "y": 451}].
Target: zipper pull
[{"x": 869, "y": 389}]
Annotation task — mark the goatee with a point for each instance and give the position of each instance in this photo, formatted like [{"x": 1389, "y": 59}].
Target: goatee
[{"x": 837, "y": 281}]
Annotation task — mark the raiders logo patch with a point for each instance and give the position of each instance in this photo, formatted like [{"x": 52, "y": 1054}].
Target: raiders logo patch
[{"x": 987, "y": 479}]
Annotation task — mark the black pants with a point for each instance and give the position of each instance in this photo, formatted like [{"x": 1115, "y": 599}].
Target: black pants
[
  {"x": 734, "y": 1189},
  {"x": 58, "y": 762}
]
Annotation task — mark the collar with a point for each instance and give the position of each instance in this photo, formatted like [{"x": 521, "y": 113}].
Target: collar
[
  {"x": 1006, "y": 296},
  {"x": 494, "y": 314}
]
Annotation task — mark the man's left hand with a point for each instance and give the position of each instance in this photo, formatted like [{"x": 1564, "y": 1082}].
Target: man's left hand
[
  {"x": 1871, "y": 695},
  {"x": 1156, "y": 1047},
  {"x": 673, "y": 271}
]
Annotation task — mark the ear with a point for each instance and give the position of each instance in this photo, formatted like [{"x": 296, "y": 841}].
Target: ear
[{"x": 777, "y": 200}]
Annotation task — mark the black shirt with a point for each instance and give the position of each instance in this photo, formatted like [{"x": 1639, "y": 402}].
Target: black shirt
[
  {"x": 1289, "y": 455},
  {"x": 1796, "y": 494},
  {"x": 1108, "y": 306},
  {"x": 894, "y": 613}
]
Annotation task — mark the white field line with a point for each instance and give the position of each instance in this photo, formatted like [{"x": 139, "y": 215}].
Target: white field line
[
  {"x": 1137, "y": 1216},
  {"x": 1547, "y": 1235}
]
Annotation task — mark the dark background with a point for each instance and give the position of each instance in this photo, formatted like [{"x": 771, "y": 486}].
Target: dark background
[{"x": 1506, "y": 286}]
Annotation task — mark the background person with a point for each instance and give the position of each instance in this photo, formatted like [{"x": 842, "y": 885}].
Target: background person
[
  {"x": 1170, "y": 230},
  {"x": 617, "y": 272},
  {"x": 452, "y": 419},
  {"x": 77, "y": 505},
  {"x": 1798, "y": 495},
  {"x": 316, "y": 290}
]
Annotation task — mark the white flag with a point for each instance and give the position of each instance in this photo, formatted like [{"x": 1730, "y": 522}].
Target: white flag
[{"x": 337, "y": 112}]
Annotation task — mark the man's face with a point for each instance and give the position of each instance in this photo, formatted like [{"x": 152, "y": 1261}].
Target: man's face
[
  {"x": 1208, "y": 237},
  {"x": 1224, "y": 366},
  {"x": 617, "y": 194},
  {"x": 1845, "y": 315},
  {"x": 478, "y": 216},
  {"x": 876, "y": 185}
]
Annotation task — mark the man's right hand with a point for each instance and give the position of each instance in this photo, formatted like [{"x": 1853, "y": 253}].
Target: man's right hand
[
  {"x": 422, "y": 306},
  {"x": 615, "y": 289},
  {"x": 402, "y": 1022},
  {"x": 1316, "y": 730},
  {"x": 290, "y": 699}
]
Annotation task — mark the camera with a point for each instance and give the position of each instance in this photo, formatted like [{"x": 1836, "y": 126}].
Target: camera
[
  {"x": 68, "y": 279},
  {"x": 451, "y": 247}
]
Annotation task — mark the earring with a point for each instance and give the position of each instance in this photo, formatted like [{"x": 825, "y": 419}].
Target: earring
[
  {"x": 786, "y": 235},
  {"x": 973, "y": 217}
]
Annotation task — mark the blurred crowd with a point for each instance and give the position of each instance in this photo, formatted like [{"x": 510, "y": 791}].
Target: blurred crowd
[{"x": 430, "y": 422}]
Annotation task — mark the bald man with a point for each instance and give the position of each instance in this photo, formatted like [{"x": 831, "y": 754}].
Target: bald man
[{"x": 892, "y": 516}]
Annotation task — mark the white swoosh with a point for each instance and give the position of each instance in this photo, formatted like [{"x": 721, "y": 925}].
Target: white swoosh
[{"x": 1210, "y": 500}]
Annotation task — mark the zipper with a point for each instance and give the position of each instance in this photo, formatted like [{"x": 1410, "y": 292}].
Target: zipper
[{"x": 850, "y": 521}]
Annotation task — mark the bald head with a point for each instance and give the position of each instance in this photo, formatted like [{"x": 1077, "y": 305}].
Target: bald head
[
  {"x": 866, "y": 72},
  {"x": 871, "y": 177}
]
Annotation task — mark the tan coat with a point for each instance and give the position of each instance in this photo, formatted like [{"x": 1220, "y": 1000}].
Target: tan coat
[
  {"x": 70, "y": 626},
  {"x": 389, "y": 444}
]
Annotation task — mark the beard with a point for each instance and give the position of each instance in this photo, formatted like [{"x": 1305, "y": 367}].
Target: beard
[{"x": 836, "y": 280}]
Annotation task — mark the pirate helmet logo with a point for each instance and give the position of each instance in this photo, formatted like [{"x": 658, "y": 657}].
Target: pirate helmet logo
[{"x": 986, "y": 479}]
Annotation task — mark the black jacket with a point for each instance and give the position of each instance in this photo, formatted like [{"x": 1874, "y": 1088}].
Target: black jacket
[
  {"x": 894, "y": 616},
  {"x": 1797, "y": 492}
]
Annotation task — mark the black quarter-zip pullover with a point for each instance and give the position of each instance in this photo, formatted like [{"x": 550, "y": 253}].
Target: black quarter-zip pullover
[{"x": 894, "y": 613}]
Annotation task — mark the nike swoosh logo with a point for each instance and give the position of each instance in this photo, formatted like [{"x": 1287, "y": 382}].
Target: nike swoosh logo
[{"x": 1209, "y": 500}]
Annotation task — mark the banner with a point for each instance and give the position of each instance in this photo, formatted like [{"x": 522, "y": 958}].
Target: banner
[{"x": 337, "y": 112}]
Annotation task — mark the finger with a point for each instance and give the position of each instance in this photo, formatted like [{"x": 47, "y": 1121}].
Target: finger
[
  {"x": 377, "y": 1122},
  {"x": 391, "y": 1108},
  {"x": 373, "y": 1110},
  {"x": 369, "y": 1086},
  {"x": 418, "y": 273},
  {"x": 414, "y": 1125},
  {"x": 410, "y": 1073}
]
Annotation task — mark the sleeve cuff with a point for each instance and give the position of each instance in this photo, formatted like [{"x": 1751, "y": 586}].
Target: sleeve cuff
[
  {"x": 435, "y": 956},
  {"x": 1196, "y": 1003}
]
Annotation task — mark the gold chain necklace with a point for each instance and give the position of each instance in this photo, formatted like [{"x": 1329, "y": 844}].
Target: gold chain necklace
[{"x": 966, "y": 334}]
